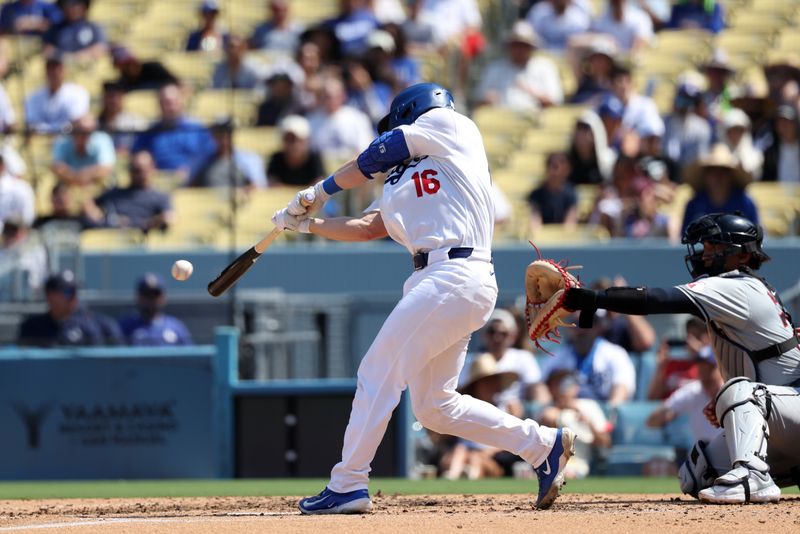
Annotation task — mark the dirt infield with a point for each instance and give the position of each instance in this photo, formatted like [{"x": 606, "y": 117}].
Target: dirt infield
[{"x": 505, "y": 514}]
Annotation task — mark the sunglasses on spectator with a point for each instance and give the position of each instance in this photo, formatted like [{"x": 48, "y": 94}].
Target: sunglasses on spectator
[{"x": 495, "y": 332}]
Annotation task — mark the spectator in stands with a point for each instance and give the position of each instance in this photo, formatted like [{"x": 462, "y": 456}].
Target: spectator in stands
[
  {"x": 310, "y": 60},
  {"x": 351, "y": 26},
  {"x": 617, "y": 203},
  {"x": 236, "y": 71},
  {"x": 418, "y": 30},
  {"x": 676, "y": 363},
  {"x": 634, "y": 333},
  {"x": 51, "y": 108},
  {"x": 555, "y": 21},
  {"x": 584, "y": 416},
  {"x": 716, "y": 98},
  {"x": 687, "y": 136},
  {"x": 371, "y": 96},
  {"x": 639, "y": 109},
  {"x": 719, "y": 183},
  {"x": 734, "y": 131},
  {"x": 137, "y": 75},
  {"x": 296, "y": 164},
  {"x": 150, "y": 326},
  {"x": 175, "y": 141},
  {"x": 405, "y": 66},
  {"x": 499, "y": 336},
  {"x": 522, "y": 81},
  {"x": 121, "y": 125},
  {"x": 228, "y": 165},
  {"x": 555, "y": 201},
  {"x": 279, "y": 33},
  {"x": 782, "y": 156},
  {"x": 594, "y": 77},
  {"x": 659, "y": 12},
  {"x": 702, "y": 14},
  {"x": 655, "y": 164},
  {"x": 627, "y": 23},
  {"x": 8, "y": 117},
  {"x": 61, "y": 212},
  {"x": 643, "y": 217},
  {"x": 605, "y": 371},
  {"x": 207, "y": 38},
  {"x": 86, "y": 156},
  {"x": 66, "y": 321},
  {"x": 75, "y": 35},
  {"x": 590, "y": 158},
  {"x": 17, "y": 200},
  {"x": 23, "y": 261},
  {"x": 690, "y": 399},
  {"x": 388, "y": 11},
  {"x": 338, "y": 131},
  {"x": 485, "y": 380},
  {"x": 782, "y": 73},
  {"x": 136, "y": 206},
  {"x": 379, "y": 63},
  {"x": 282, "y": 100},
  {"x": 28, "y": 17},
  {"x": 611, "y": 112}
]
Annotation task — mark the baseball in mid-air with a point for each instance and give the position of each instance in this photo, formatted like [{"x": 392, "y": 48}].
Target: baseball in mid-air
[{"x": 182, "y": 270}]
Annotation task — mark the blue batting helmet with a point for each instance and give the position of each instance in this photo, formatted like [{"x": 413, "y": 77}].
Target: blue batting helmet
[{"x": 412, "y": 102}]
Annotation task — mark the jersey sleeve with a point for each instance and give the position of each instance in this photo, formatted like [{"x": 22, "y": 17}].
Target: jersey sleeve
[
  {"x": 432, "y": 134},
  {"x": 722, "y": 300}
]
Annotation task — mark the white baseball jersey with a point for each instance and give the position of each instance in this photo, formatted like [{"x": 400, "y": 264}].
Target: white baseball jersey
[
  {"x": 747, "y": 313},
  {"x": 442, "y": 198}
]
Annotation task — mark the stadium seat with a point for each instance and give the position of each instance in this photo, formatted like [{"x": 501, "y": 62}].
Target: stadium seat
[
  {"x": 104, "y": 239},
  {"x": 645, "y": 364},
  {"x": 211, "y": 105},
  {"x": 635, "y": 444},
  {"x": 559, "y": 119},
  {"x": 261, "y": 140}
]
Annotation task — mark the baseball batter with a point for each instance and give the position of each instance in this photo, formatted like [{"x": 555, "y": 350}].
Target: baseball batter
[
  {"x": 756, "y": 347},
  {"x": 436, "y": 202}
]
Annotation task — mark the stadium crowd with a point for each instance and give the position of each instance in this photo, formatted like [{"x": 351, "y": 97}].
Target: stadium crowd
[{"x": 632, "y": 155}]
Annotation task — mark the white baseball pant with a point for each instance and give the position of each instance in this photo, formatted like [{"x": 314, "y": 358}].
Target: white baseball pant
[{"x": 422, "y": 346}]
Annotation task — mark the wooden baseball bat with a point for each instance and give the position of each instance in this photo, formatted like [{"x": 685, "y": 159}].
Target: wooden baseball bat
[{"x": 238, "y": 267}]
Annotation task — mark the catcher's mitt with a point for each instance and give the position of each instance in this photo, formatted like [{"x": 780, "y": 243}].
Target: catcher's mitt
[{"x": 546, "y": 282}]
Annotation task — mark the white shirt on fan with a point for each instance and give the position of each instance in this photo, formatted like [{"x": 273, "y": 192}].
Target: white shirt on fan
[
  {"x": 442, "y": 197},
  {"x": 690, "y": 399}
]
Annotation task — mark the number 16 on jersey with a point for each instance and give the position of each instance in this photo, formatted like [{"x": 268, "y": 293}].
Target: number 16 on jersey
[{"x": 425, "y": 183}]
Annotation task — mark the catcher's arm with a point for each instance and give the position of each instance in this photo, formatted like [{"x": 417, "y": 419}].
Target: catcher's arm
[{"x": 631, "y": 300}]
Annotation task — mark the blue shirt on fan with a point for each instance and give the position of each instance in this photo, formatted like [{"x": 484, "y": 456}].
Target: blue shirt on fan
[
  {"x": 36, "y": 9},
  {"x": 163, "y": 331},
  {"x": 176, "y": 146}
]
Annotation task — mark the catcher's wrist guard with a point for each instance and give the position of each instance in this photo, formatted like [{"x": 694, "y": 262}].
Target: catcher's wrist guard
[{"x": 579, "y": 298}]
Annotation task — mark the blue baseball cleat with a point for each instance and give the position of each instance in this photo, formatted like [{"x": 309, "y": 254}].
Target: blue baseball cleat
[
  {"x": 330, "y": 502},
  {"x": 551, "y": 472}
]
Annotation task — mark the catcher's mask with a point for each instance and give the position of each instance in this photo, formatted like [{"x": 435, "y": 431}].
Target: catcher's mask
[
  {"x": 414, "y": 101},
  {"x": 738, "y": 233}
]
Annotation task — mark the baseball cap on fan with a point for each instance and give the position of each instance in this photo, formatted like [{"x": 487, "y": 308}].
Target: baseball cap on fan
[
  {"x": 150, "y": 284},
  {"x": 295, "y": 125}
]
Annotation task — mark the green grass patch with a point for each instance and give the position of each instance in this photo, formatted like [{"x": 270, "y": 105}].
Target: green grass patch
[{"x": 284, "y": 487}]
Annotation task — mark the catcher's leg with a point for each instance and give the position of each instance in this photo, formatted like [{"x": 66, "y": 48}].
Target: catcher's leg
[
  {"x": 784, "y": 435},
  {"x": 704, "y": 463},
  {"x": 742, "y": 412}
]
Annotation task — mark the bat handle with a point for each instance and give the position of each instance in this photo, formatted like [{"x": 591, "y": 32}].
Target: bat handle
[
  {"x": 262, "y": 245},
  {"x": 307, "y": 199}
]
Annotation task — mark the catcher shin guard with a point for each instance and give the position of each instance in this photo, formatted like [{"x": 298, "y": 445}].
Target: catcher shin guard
[
  {"x": 742, "y": 410},
  {"x": 697, "y": 472}
]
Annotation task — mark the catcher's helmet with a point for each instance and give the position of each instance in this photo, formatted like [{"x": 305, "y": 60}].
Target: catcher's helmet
[
  {"x": 731, "y": 229},
  {"x": 412, "y": 102}
]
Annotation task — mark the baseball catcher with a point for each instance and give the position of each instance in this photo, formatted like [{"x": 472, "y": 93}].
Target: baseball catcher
[{"x": 756, "y": 346}]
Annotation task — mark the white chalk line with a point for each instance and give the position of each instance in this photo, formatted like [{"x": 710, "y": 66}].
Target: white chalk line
[{"x": 128, "y": 520}]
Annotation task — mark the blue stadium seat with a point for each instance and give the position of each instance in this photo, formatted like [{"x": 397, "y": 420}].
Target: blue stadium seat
[
  {"x": 635, "y": 444},
  {"x": 679, "y": 434},
  {"x": 629, "y": 424},
  {"x": 645, "y": 370}
]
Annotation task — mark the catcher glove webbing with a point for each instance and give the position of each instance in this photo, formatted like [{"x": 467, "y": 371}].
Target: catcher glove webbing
[{"x": 546, "y": 284}]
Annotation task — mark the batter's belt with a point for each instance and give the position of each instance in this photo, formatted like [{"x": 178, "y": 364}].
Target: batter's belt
[{"x": 423, "y": 259}]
